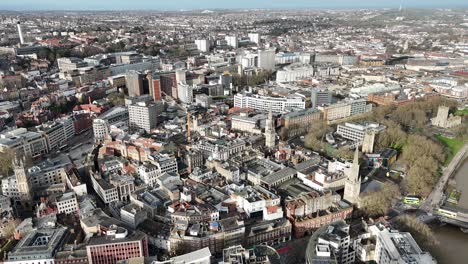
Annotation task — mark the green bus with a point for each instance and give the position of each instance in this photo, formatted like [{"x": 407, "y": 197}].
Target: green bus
[{"x": 412, "y": 200}]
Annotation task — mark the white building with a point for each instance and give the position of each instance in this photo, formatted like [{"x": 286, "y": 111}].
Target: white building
[
  {"x": 30, "y": 143},
  {"x": 185, "y": 93},
  {"x": 266, "y": 59},
  {"x": 254, "y": 37},
  {"x": 232, "y": 41},
  {"x": 149, "y": 173},
  {"x": 294, "y": 72},
  {"x": 394, "y": 247},
  {"x": 265, "y": 103},
  {"x": 118, "y": 114},
  {"x": 67, "y": 203},
  {"x": 142, "y": 115},
  {"x": 203, "y": 45},
  {"x": 57, "y": 133},
  {"x": 356, "y": 132}
]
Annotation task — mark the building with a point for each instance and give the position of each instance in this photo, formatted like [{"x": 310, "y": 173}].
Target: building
[
  {"x": 185, "y": 93},
  {"x": 353, "y": 182},
  {"x": 30, "y": 143},
  {"x": 149, "y": 173},
  {"x": 270, "y": 132},
  {"x": 201, "y": 256},
  {"x": 398, "y": 247},
  {"x": 155, "y": 86},
  {"x": 134, "y": 83},
  {"x": 444, "y": 119},
  {"x": 345, "y": 109},
  {"x": 57, "y": 133},
  {"x": 67, "y": 203},
  {"x": 255, "y": 37},
  {"x": 133, "y": 215},
  {"x": 203, "y": 45},
  {"x": 142, "y": 115},
  {"x": 116, "y": 244},
  {"x": 245, "y": 123},
  {"x": 116, "y": 115},
  {"x": 23, "y": 180},
  {"x": 331, "y": 244},
  {"x": 168, "y": 81},
  {"x": 357, "y": 132},
  {"x": 38, "y": 246},
  {"x": 267, "y": 103},
  {"x": 266, "y": 59},
  {"x": 320, "y": 97},
  {"x": 71, "y": 63},
  {"x": 298, "y": 122},
  {"x": 295, "y": 72},
  {"x": 232, "y": 41}
]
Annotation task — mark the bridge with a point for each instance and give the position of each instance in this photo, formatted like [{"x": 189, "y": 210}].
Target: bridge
[{"x": 435, "y": 197}]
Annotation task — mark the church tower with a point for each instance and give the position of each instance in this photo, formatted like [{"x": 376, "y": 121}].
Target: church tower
[
  {"x": 270, "y": 133},
  {"x": 22, "y": 180},
  {"x": 353, "y": 182}
]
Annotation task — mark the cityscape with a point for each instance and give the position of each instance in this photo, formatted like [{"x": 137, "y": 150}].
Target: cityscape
[{"x": 248, "y": 132}]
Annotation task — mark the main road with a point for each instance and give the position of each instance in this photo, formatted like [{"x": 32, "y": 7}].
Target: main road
[{"x": 435, "y": 197}]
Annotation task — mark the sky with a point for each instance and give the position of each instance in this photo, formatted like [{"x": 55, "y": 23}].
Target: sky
[{"x": 217, "y": 4}]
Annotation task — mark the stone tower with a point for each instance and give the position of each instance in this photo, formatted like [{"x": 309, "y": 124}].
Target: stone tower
[
  {"x": 270, "y": 133},
  {"x": 368, "y": 142},
  {"x": 22, "y": 180},
  {"x": 353, "y": 182}
]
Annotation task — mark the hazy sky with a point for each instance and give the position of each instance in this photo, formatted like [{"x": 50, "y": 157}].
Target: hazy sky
[{"x": 206, "y": 4}]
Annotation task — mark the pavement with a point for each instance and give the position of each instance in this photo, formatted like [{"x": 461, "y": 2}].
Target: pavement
[
  {"x": 293, "y": 251},
  {"x": 435, "y": 197}
]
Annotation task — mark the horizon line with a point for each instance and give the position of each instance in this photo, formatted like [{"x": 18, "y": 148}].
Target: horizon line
[{"x": 464, "y": 6}]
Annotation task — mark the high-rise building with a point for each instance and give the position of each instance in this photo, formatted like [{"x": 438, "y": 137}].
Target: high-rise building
[
  {"x": 353, "y": 182},
  {"x": 232, "y": 41},
  {"x": 203, "y": 45},
  {"x": 320, "y": 97},
  {"x": 167, "y": 81},
  {"x": 266, "y": 59},
  {"x": 154, "y": 86},
  {"x": 226, "y": 81},
  {"x": 142, "y": 115},
  {"x": 270, "y": 133},
  {"x": 20, "y": 33},
  {"x": 134, "y": 83},
  {"x": 254, "y": 37},
  {"x": 185, "y": 93},
  {"x": 181, "y": 76}
]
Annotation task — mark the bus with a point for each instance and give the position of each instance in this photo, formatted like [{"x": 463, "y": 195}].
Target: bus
[
  {"x": 412, "y": 200},
  {"x": 446, "y": 213}
]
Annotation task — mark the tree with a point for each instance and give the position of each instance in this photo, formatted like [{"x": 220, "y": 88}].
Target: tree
[
  {"x": 6, "y": 161},
  {"x": 9, "y": 228},
  {"x": 393, "y": 136},
  {"x": 421, "y": 232},
  {"x": 116, "y": 98},
  {"x": 378, "y": 203}
]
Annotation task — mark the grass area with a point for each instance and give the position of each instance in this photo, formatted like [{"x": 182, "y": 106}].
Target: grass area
[
  {"x": 462, "y": 112},
  {"x": 453, "y": 145}
]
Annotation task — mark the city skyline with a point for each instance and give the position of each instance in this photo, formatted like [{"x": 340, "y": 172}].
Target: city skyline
[{"x": 212, "y": 4}]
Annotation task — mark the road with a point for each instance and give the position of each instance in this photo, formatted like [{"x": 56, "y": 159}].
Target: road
[{"x": 435, "y": 197}]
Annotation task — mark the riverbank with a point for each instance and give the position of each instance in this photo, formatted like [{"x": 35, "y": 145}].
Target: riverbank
[{"x": 452, "y": 241}]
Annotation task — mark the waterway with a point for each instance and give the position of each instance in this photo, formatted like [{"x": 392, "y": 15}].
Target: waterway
[{"x": 453, "y": 243}]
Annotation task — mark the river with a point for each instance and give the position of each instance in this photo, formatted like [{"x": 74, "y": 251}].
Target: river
[{"x": 453, "y": 243}]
